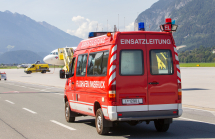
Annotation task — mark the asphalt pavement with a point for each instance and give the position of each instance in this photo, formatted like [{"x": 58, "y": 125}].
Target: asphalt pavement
[{"x": 35, "y": 110}]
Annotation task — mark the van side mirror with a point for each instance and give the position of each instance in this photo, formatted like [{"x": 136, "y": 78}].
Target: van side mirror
[{"x": 62, "y": 74}]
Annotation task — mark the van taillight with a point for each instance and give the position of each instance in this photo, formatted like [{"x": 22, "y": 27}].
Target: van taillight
[
  {"x": 112, "y": 93},
  {"x": 179, "y": 92}
]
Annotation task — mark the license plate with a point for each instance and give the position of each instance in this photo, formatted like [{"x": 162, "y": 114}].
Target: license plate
[{"x": 132, "y": 101}]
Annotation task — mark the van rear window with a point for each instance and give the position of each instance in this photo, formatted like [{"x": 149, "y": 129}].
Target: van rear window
[
  {"x": 161, "y": 62},
  {"x": 97, "y": 64},
  {"x": 131, "y": 62}
]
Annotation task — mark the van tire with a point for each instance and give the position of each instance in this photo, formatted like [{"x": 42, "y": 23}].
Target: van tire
[
  {"x": 99, "y": 122},
  {"x": 28, "y": 72},
  {"x": 161, "y": 126},
  {"x": 68, "y": 113},
  {"x": 43, "y": 71}
]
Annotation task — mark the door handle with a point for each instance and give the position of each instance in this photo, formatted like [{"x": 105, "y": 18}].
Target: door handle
[
  {"x": 154, "y": 83},
  {"x": 73, "y": 83}
]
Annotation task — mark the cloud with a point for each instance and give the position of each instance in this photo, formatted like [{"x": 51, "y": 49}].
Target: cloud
[
  {"x": 9, "y": 47},
  {"x": 130, "y": 27},
  {"x": 86, "y": 26},
  {"x": 79, "y": 20}
]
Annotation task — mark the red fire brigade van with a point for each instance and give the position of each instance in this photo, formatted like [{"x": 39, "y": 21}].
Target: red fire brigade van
[{"x": 125, "y": 76}]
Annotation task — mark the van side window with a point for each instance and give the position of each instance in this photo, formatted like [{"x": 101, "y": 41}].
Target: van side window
[
  {"x": 97, "y": 63},
  {"x": 104, "y": 63},
  {"x": 161, "y": 62},
  {"x": 131, "y": 62},
  {"x": 81, "y": 65}
]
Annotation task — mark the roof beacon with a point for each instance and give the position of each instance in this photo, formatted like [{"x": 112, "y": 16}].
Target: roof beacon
[
  {"x": 169, "y": 26},
  {"x": 141, "y": 26},
  {"x": 168, "y": 20}
]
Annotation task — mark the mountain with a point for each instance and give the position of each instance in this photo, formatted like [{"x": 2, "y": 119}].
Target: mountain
[
  {"x": 196, "y": 20},
  {"x": 19, "y": 32},
  {"x": 19, "y": 57}
]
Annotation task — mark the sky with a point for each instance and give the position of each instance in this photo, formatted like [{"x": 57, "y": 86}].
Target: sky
[{"x": 79, "y": 17}]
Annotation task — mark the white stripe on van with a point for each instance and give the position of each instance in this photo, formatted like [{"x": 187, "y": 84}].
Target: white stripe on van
[
  {"x": 147, "y": 107},
  {"x": 178, "y": 67},
  {"x": 163, "y": 107},
  {"x": 176, "y": 57},
  {"x": 82, "y": 107},
  {"x": 178, "y": 74},
  {"x": 114, "y": 83},
  {"x": 113, "y": 67},
  {"x": 132, "y": 108},
  {"x": 114, "y": 49},
  {"x": 112, "y": 77},
  {"x": 175, "y": 49},
  {"x": 112, "y": 58}
]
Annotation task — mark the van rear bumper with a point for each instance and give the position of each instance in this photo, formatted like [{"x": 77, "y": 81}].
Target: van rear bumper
[{"x": 147, "y": 115}]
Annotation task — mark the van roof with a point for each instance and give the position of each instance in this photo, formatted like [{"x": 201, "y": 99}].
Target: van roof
[{"x": 105, "y": 40}]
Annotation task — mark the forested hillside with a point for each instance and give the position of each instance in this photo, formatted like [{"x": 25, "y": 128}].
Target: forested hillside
[
  {"x": 201, "y": 54},
  {"x": 196, "y": 20}
]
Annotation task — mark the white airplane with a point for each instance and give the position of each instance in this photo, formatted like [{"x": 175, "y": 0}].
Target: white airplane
[{"x": 52, "y": 58}]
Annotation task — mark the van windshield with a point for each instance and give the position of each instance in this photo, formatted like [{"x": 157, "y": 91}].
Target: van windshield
[{"x": 161, "y": 62}]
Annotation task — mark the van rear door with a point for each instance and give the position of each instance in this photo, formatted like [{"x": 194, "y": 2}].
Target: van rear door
[
  {"x": 162, "y": 74},
  {"x": 131, "y": 74}
]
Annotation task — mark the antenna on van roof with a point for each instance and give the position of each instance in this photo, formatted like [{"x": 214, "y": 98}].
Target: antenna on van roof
[
  {"x": 124, "y": 23},
  {"x": 118, "y": 22},
  {"x": 115, "y": 29},
  {"x": 107, "y": 25}
]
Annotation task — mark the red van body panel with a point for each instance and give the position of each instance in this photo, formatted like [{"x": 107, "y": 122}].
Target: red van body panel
[
  {"x": 131, "y": 86},
  {"x": 166, "y": 92},
  {"x": 156, "y": 101}
]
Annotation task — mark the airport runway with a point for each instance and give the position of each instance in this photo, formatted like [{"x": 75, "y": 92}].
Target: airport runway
[{"x": 32, "y": 107}]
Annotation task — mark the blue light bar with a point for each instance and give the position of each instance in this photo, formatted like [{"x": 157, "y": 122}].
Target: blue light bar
[
  {"x": 91, "y": 34},
  {"x": 141, "y": 26}
]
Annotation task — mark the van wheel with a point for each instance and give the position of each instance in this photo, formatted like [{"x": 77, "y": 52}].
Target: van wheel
[
  {"x": 43, "y": 71},
  {"x": 160, "y": 126},
  {"x": 68, "y": 113},
  {"x": 100, "y": 123}
]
